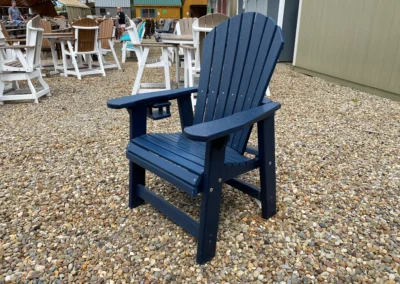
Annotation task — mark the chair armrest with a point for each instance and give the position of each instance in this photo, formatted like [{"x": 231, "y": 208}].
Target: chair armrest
[
  {"x": 16, "y": 40},
  {"x": 16, "y": 46},
  {"x": 225, "y": 126},
  {"x": 153, "y": 44},
  {"x": 107, "y": 37},
  {"x": 149, "y": 98},
  {"x": 187, "y": 47}
]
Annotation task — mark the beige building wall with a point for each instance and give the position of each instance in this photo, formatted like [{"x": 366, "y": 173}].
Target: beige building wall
[{"x": 355, "y": 42}]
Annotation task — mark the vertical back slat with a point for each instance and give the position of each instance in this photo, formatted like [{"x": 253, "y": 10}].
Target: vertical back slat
[
  {"x": 269, "y": 67},
  {"x": 232, "y": 44},
  {"x": 244, "y": 39},
  {"x": 251, "y": 89},
  {"x": 239, "y": 58},
  {"x": 250, "y": 62},
  {"x": 205, "y": 71},
  {"x": 217, "y": 66}
]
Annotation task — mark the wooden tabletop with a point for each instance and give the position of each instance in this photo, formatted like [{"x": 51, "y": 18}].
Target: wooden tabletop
[
  {"x": 57, "y": 35},
  {"x": 176, "y": 37}
]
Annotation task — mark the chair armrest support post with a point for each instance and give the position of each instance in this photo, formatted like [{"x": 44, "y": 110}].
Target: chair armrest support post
[
  {"x": 185, "y": 111},
  {"x": 137, "y": 122}
]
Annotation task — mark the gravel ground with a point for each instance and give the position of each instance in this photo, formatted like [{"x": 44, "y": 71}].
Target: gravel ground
[{"x": 63, "y": 192}]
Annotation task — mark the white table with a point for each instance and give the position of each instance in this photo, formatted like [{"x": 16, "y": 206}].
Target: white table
[
  {"x": 54, "y": 38},
  {"x": 185, "y": 42}
]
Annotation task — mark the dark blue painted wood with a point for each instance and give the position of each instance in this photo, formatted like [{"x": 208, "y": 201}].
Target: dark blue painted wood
[
  {"x": 245, "y": 187},
  {"x": 217, "y": 67},
  {"x": 184, "y": 175},
  {"x": 266, "y": 142},
  {"x": 182, "y": 219},
  {"x": 232, "y": 170},
  {"x": 211, "y": 199},
  {"x": 137, "y": 174},
  {"x": 170, "y": 155},
  {"x": 230, "y": 53},
  {"x": 162, "y": 173},
  {"x": 149, "y": 98},
  {"x": 206, "y": 61},
  {"x": 218, "y": 128},
  {"x": 273, "y": 55},
  {"x": 185, "y": 111},
  {"x": 254, "y": 50},
  {"x": 243, "y": 48},
  {"x": 188, "y": 148}
]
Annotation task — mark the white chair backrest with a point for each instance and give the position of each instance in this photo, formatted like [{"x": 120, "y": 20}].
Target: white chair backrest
[
  {"x": 34, "y": 36},
  {"x": 184, "y": 26}
]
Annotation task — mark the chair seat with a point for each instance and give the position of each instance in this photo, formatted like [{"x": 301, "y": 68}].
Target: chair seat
[{"x": 176, "y": 158}]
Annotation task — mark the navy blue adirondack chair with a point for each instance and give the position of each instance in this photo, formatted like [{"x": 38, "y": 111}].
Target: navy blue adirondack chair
[{"x": 239, "y": 57}]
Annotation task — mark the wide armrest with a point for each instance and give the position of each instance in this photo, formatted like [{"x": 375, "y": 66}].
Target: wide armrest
[
  {"x": 149, "y": 98},
  {"x": 221, "y": 127},
  {"x": 16, "y": 46},
  {"x": 16, "y": 40}
]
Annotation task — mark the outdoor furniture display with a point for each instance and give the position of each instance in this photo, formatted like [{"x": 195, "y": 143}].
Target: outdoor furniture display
[
  {"x": 84, "y": 43},
  {"x": 57, "y": 38},
  {"x": 142, "y": 53},
  {"x": 239, "y": 57},
  {"x": 165, "y": 28},
  {"x": 106, "y": 42},
  {"x": 127, "y": 46},
  {"x": 23, "y": 67}
]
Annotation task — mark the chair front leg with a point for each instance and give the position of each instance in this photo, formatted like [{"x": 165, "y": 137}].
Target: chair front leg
[
  {"x": 211, "y": 199},
  {"x": 266, "y": 142},
  {"x": 137, "y": 174}
]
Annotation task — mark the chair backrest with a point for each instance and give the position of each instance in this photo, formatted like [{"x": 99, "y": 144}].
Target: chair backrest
[
  {"x": 184, "y": 27},
  {"x": 4, "y": 31},
  {"x": 208, "y": 21},
  {"x": 167, "y": 25},
  {"x": 34, "y": 36},
  {"x": 107, "y": 30},
  {"x": 239, "y": 57},
  {"x": 86, "y": 32},
  {"x": 46, "y": 26},
  {"x": 136, "y": 34}
]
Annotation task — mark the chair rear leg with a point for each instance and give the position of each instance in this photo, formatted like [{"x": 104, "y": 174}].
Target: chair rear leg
[
  {"x": 266, "y": 141},
  {"x": 137, "y": 176},
  {"x": 211, "y": 199}
]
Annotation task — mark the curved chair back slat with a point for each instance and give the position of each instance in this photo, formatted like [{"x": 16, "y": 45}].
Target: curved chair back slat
[
  {"x": 106, "y": 31},
  {"x": 240, "y": 55}
]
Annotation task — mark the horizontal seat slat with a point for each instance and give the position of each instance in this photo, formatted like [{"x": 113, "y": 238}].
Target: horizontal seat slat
[
  {"x": 160, "y": 165},
  {"x": 175, "y": 149},
  {"x": 231, "y": 155},
  {"x": 196, "y": 148},
  {"x": 169, "y": 155}
]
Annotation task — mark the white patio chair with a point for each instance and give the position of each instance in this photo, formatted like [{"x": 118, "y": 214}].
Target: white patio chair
[
  {"x": 106, "y": 42},
  {"x": 142, "y": 53},
  {"x": 127, "y": 46},
  {"x": 23, "y": 67},
  {"x": 84, "y": 44}
]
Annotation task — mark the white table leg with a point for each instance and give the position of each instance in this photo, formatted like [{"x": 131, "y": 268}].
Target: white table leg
[{"x": 177, "y": 65}]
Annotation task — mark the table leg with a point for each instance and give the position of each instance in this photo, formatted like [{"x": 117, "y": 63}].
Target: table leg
[{"x": 177, "y": 66}]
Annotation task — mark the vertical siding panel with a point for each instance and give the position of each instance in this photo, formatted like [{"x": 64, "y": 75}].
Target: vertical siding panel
[
  {"x": 357, "y": 40},
  {"x": 391, "y": 51},
  {"x": 348, "y": 38},
  {"x": 380, "y": 33}
]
